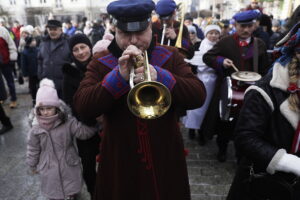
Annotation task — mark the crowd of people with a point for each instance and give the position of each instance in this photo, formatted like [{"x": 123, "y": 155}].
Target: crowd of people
[{"x": 79, "y": 77}]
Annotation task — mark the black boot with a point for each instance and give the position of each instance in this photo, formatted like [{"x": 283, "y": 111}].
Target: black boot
[
  {"x": 4, "y": 129},
  {"x": 201, "y": 138},
  {"x": 6, "y": 126},
  {"x": 192, "y": 134}
]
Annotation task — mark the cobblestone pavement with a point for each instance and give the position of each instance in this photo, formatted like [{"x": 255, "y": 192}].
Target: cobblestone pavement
[{"x": 209, "y": 179}]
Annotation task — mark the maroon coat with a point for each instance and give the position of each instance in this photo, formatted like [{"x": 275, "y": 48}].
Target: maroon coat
[{"x": 140, "y": 159}]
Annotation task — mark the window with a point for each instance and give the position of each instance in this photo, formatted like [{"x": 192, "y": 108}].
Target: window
[{"x": 12, "y": 2}]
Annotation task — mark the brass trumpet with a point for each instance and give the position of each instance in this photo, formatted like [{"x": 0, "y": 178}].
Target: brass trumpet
[
  {"x": 163, "y": 35},
  {"x": 148, "y": 99}
]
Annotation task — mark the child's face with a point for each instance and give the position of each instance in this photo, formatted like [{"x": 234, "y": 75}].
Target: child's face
[{"x": 47, "y": 111}]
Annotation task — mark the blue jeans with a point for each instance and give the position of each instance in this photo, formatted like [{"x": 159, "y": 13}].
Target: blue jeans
[{"x": 7, "y": 72}]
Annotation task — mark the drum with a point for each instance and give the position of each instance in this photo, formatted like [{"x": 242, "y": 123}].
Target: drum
[{"x": 232, "y": 93}]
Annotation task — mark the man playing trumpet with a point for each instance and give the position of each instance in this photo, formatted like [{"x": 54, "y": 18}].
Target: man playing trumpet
[
  {"x": 140, "y": 159},
  {"x": 166, "y": 29}
]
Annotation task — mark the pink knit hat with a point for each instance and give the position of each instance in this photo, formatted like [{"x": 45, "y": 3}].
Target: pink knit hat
[{"x": 47, "y": 94}]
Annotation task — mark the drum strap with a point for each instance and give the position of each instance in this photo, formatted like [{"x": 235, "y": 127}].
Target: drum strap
[{"x": 255, "y": 55}]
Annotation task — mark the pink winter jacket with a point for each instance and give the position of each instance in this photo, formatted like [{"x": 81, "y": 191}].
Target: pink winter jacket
[{"x": 54, "y": 156}]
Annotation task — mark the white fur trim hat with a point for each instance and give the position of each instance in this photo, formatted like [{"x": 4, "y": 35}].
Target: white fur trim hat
[
  {"x": 210, "y": 28},
  {"x": 47, "y": 94}
]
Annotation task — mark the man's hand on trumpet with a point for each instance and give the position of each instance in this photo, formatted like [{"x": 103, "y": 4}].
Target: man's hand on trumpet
[
  {"x": 139, "y": 74},
  {"x": 170, "y": 33},
  {"x": 126, "y": 63}
]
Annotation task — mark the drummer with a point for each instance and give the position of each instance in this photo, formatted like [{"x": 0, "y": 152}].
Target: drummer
[{"x": 242, "y": 51}]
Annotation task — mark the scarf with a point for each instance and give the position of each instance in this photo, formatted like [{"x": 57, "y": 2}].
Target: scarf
[
  {"x": 205, "y": 46},
  {"x": 47, "y": 123}
]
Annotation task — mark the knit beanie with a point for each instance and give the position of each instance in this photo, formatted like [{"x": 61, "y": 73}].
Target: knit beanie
[
  {"x": 79, "y": 38},
  {"x": 210, "y": 28},
  {"x": 47, "y": 94}
]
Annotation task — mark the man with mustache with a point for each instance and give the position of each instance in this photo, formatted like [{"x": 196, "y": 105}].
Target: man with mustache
[
  {"x": 139, "y": 159},
  {"x": 235, "y": 50}
]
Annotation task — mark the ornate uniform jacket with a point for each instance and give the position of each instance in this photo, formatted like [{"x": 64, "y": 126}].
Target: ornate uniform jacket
[
  {"x": 140, "y": 159},
  {"x": 242, "y": 57}
]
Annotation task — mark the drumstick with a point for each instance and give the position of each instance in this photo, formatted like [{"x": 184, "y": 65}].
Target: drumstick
[{"x": 234, "y": 67}]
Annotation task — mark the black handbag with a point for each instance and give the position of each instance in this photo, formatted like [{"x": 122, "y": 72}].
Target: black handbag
[{"x": 278, "y": 186}]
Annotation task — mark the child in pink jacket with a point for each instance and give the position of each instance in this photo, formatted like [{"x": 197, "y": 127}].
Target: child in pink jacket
[{"x": 51, "y": 150}]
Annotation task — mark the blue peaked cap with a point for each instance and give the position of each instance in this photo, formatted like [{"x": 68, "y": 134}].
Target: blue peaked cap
[
  {"x": 246, "y": 17},
  {"x": 165, "y": 7},
  {"x": 131, "y": 15}
]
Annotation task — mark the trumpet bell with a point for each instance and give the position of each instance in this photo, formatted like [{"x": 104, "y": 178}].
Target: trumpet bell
[{"x": 149, "y": 100}]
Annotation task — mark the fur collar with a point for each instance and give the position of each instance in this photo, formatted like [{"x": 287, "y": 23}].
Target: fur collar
[{"x": 280, "y": 80}]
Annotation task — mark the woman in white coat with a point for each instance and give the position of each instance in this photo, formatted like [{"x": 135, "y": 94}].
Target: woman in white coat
[{"x": 194, "y": 118}]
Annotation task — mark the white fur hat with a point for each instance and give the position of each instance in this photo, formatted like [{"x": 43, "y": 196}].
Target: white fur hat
[
  {"x": 47, "y": 94},
  {"x": 210, "y": 28}
]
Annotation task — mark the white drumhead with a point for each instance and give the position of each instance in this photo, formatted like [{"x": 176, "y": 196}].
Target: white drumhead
[{"x": 246, "y": 76}]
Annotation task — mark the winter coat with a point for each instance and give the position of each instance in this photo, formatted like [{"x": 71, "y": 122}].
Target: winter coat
[
  {"x": 29, "y": 61},
  {"x": 71, "y": 31},
  {"x": 96, "y": 33},
  {"x": 266, "y": 125},
  {"x": 71, "y": 80},
  {"x": 242, "y": 57},
  {"x": 54, "y": 155},
  {"x": 52, "y": 56},
  {"x": 140, "y": 159},
  {"x": 87, "y": 149},
  {"x": 8, "y": 49}
]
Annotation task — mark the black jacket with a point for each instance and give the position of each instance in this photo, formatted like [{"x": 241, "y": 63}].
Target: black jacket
[
  {"x": 72, "y": 76},
  {"x": 265, "y": 126}
]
